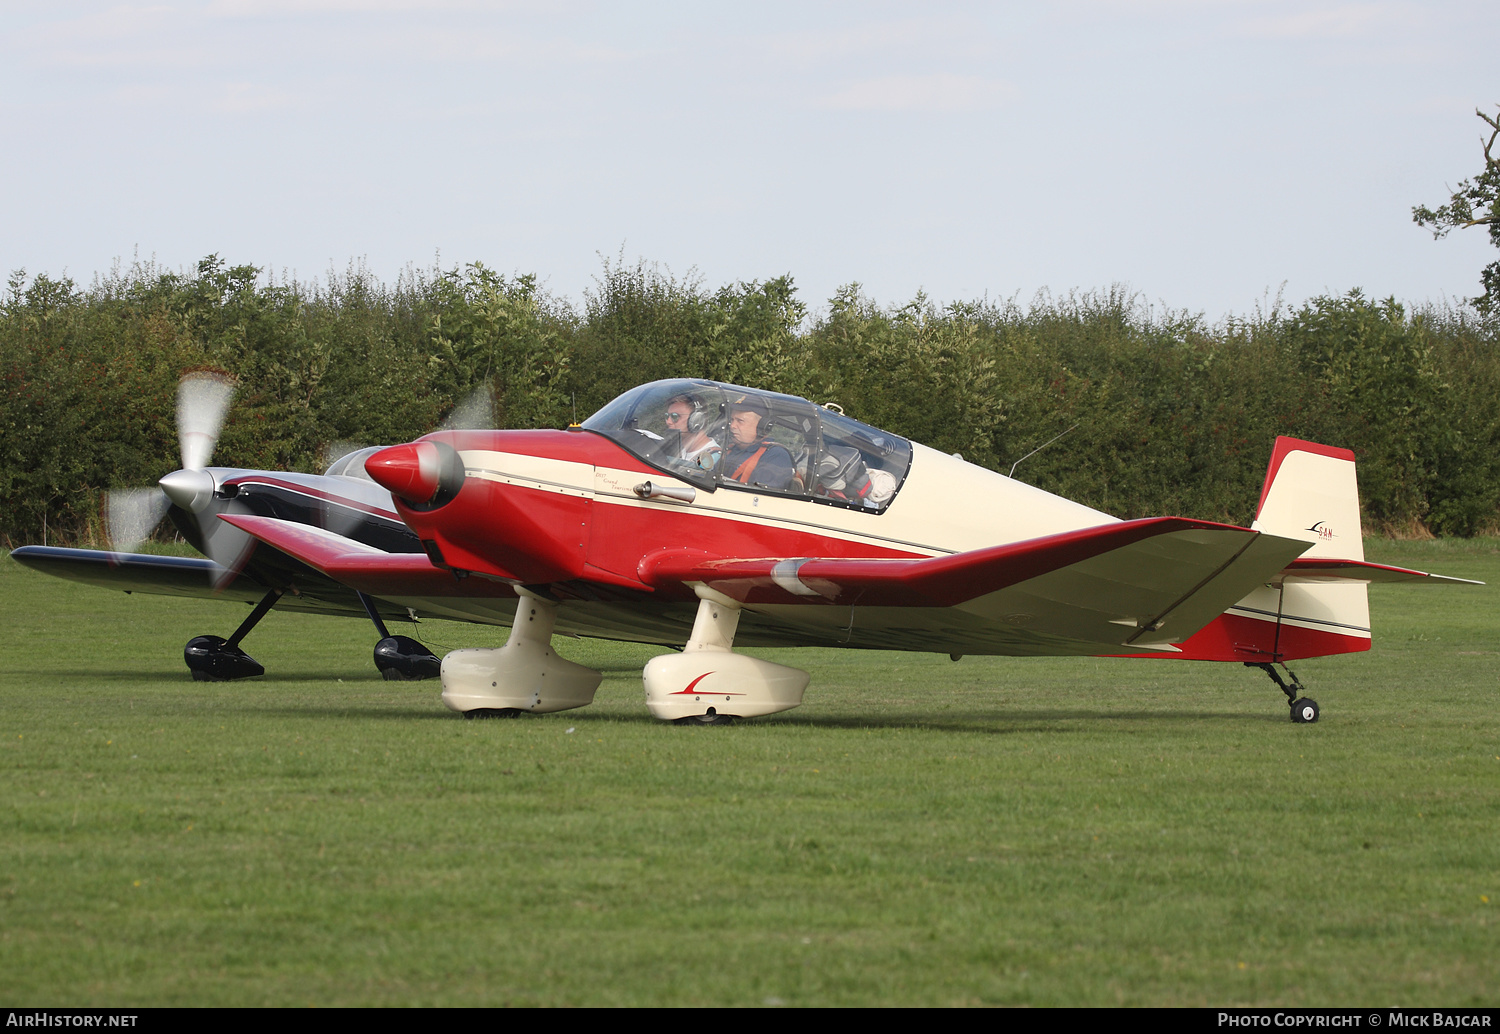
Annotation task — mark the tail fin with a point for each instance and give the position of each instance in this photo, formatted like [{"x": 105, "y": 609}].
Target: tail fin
[{"x": 1310, "y": 494}]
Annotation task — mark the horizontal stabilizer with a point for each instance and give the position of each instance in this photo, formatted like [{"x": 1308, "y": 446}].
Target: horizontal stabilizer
[
  {"x": 1314, "y": 571},
  {"x": 1320, "y": 604}
]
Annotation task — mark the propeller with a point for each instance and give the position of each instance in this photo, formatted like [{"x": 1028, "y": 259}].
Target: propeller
[
  {"x": 475, "y": 413},
  {"x": 203, "y": 399},
  {"x": 132, "y": 514},
  {"x": 337, "y": 450}
]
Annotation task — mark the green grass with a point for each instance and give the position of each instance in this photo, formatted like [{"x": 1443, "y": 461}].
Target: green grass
[{"x": 920, "y": 832}]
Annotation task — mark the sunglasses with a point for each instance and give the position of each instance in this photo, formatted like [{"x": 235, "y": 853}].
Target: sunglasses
[{"x": 672, "y": 418}]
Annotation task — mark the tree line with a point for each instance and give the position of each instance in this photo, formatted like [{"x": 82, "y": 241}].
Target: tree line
[{"x": 1169, "y": 414}]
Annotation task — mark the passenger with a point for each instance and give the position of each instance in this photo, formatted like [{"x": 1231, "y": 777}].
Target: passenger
[
  {"x": 689, "y": 418},
  {"x": 752, "y": 458}
]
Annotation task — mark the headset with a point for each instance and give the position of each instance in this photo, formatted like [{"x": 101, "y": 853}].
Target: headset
[{"x": 698, "y": 419}]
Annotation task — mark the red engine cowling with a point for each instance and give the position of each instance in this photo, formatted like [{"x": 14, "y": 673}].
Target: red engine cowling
[{"x": 524, "y": 534}]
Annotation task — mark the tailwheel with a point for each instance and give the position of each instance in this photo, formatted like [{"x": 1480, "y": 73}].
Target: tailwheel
[{"x": 1304, "y": 711}]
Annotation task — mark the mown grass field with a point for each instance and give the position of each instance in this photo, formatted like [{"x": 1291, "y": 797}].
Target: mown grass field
[{"x": 1045, "y": 832}]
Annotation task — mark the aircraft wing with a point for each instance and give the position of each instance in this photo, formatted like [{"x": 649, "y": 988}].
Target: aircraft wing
[
  {"x": 187, "y": 576},
  {"x": 359, "y": 566},
  {"x": 1144, "y": 584},
  {"x": 136, "y": 572}
]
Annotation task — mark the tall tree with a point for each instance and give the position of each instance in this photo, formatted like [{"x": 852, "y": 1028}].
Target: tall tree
[{"x": 1466, "y": 208}]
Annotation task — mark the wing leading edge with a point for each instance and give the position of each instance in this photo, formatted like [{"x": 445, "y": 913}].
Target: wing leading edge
[
  {"x": 133, "y": 572},
  {"x": 193, "y": 577}
]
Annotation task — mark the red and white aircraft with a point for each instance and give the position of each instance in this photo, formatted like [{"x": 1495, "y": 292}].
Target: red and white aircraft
[{"x": 708, "y": 516}]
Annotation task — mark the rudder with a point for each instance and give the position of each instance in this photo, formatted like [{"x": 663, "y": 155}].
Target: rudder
[{"x": 1311, "y": 493}]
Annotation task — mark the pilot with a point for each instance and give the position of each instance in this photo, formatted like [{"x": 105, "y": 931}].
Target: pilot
[
  {"x": 688, "y": 416},
  {"x": 752, "y": 458}
]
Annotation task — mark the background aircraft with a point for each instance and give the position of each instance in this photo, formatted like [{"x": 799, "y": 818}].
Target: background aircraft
[
  {"x": 837, "y": 534},
  {"x": 233, "y": 568}
]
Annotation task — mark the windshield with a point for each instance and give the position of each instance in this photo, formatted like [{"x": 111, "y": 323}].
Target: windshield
[
  {"x": 716, "y": 435},
  {"x": 676, "y": 426},
  {"x": 352, "y": 465}
]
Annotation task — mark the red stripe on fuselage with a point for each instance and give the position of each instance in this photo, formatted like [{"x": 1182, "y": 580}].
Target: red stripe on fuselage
[
  {"x": 578, "y": 446},
  {"x": 1235, "y": 637},
  {"x": 536, "y": 535}
]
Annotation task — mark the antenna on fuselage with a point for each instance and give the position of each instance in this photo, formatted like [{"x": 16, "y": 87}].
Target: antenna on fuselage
[{"x": 1038, "y": 449}]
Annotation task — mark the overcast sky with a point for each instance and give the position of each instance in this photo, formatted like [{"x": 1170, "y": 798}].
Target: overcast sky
[{"x": 1201, "y": 153}]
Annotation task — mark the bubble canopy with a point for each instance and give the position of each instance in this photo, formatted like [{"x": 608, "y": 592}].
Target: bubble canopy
[
  {"x": 352, "y": 465},
  {"x": 715, "y": 435}
]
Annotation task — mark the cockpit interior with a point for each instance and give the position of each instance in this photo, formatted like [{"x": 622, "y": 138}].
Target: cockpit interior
[{"x": 715, "y": 435}]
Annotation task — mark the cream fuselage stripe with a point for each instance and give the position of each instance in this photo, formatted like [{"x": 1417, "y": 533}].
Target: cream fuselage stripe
[
  {"x": 563, "y": 476},
  {"x": 1294, "y": 619}
]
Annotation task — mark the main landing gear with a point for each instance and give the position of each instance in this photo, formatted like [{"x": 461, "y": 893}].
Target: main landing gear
[
  {"x": 400, "y": 658},
  {"x": 213, "y": 659},
  {"x": 524, "y": 675},
  {"x": 1304, "y": 710},
  {"x": 708, "y": 684}
]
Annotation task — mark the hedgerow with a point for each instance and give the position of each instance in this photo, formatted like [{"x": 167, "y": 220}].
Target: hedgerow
[{"x": 1160, "y": 412}]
